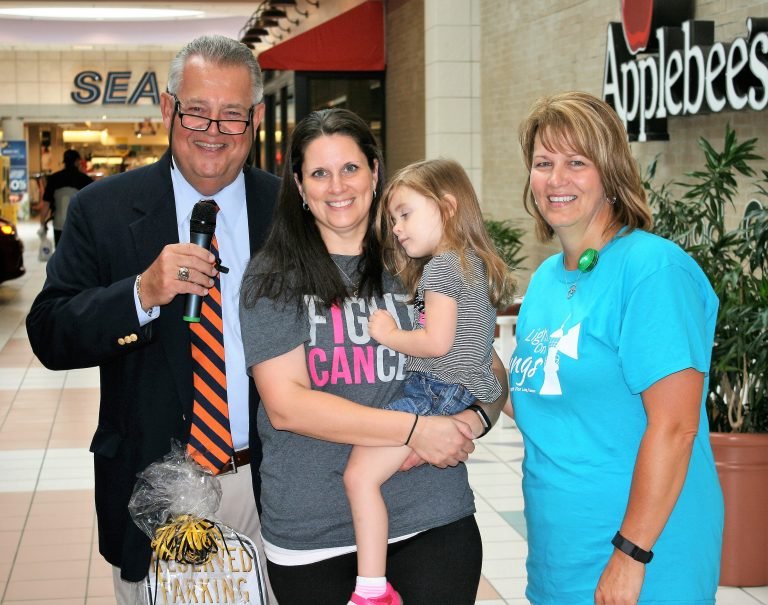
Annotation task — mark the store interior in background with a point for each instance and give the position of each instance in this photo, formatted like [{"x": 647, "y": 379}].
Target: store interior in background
[
  {"x": 110, "y": 147},
  {"x": 106, "y": 148}
]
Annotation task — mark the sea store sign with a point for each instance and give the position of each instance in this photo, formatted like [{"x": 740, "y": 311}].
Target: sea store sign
[
  {"x": 116, "y": 88},
  {"x": 661, "y": 62}
]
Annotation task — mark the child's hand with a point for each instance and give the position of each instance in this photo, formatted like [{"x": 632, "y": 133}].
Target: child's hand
[{"x": 380, "y": 325}]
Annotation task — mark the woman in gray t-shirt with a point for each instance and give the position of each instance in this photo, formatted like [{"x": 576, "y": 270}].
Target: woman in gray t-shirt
[{"x": 305, "y": 302}]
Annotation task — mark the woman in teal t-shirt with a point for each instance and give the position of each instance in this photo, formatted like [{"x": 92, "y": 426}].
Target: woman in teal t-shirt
[{"x": 608, "y": 379}]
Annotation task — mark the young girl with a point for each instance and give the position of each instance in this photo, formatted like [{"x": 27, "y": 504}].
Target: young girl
[{"x": 434, "y": 239}]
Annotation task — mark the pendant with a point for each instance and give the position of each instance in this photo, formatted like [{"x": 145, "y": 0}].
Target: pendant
[
  {"x": 571, "y": 291},
  {"x": 588, "y": 260}
]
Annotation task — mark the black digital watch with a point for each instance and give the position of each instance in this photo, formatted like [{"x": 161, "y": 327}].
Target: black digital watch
[{"x": 633, "y": 550}]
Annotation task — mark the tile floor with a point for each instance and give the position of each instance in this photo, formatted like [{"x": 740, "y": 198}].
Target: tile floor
[{"x": 48, "y": 553}]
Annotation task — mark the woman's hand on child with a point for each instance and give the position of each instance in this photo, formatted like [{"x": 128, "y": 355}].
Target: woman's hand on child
[
  {"x": 412, "y": 461},
  {"x": 380, "y": 325},
  {"x": 442, "y": 440}
]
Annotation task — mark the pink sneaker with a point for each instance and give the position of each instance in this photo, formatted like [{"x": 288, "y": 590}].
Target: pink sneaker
[{"x": 390, "y": 597}]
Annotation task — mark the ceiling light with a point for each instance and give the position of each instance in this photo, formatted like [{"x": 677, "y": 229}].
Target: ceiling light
[
  {"x": 85, "y": 136},
  {"x": 98, "y": 14}
]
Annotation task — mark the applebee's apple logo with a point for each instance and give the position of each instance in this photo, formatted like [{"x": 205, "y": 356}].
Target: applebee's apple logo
[
  {"x": 660, "y": 62},
  {"x": 636, "y": 18},
  {"x": 640, "y": 18}
]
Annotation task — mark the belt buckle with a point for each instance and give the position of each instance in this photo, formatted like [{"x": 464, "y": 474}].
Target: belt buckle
[{"x": 232, "y": 466}]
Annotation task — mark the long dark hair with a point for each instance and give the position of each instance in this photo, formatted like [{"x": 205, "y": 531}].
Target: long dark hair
[{"x": 294, "y": 261}]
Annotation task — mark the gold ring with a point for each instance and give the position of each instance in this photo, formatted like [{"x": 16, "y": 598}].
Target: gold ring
[{"x": 183, "y": 273}]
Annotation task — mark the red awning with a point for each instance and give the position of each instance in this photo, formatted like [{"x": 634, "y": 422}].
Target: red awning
[{"x": 353, "y": 41}]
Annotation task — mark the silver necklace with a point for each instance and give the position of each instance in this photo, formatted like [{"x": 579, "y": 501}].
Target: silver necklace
[
  {"x": 349, "y": 279},
  {"x": 572, "y": 285}
]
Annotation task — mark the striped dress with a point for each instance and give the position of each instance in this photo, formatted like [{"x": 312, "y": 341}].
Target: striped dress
[{"x": 469, "y": 361}]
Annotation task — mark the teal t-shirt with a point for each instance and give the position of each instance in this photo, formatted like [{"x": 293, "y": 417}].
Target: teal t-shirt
[{"x": 576, "y": 377}]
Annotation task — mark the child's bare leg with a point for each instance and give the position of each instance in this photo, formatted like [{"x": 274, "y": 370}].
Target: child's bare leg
[{"x": 368, "y": 468}]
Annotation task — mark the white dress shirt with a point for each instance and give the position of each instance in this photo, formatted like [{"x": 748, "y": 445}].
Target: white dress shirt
[{"x": 235, "y": 252}]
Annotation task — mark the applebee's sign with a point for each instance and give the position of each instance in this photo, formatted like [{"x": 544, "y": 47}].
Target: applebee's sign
[{"x": 660, "y": 62}]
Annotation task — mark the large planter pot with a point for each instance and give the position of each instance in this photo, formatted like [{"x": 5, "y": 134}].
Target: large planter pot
[{"x": 742, "y": 465}]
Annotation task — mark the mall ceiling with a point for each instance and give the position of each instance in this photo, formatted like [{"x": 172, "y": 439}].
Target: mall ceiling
[{"x": 25, "y": 33}]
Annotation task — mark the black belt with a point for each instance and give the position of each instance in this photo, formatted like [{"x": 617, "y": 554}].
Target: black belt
[{"x": 239, "y": 458}]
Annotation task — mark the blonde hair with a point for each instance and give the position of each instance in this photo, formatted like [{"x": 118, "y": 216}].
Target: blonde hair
[
  {"x": 463, "y": 226},
  {"x": 590, "y": 127}
]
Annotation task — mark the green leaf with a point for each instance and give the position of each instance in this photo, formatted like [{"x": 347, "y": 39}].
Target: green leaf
[
  {"x": 508, "y": 241},
  {"x": 735, "y": 260}
]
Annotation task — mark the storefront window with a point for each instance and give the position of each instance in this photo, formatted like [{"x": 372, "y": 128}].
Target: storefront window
[
  {"x": 362, "y": 93},
  {"x": 289, "y": 96}
]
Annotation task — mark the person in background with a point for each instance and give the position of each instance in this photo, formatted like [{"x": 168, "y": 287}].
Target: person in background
[
  {"x": 45, "y": 159},
  {"x": 129, "y": 161},
  {"x": 608, "y": 380},
  {"x": 115, "y": 293},
  {"x": 432, "y": 232},
  {"x": 323, "y": 381},
  {"x": 59, "y": 189}
]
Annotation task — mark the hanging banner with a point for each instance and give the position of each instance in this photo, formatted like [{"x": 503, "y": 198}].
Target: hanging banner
[{"x": 18, "y": 178}]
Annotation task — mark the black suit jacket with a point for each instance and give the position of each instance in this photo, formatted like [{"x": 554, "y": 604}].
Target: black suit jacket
[{"x": 115, "y": 229}]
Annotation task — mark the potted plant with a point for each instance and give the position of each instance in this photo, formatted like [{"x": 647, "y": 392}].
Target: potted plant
[
  {"x": 508, "y": 240},
  {"x": 734, "y": 255}
]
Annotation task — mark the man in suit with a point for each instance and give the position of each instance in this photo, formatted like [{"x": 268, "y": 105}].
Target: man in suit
[{"x": 116, "y": 288}]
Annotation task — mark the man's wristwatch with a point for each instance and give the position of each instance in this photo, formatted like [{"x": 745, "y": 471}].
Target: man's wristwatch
[
  {"x": 633, "y": 550},
  {"x": 483, "y": 418},
  {"x": 138, "y": 295}
]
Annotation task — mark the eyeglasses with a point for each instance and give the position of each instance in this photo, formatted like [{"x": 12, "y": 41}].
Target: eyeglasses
[{"x": 191, "y": 121}]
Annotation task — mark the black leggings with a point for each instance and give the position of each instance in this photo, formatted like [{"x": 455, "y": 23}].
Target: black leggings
[{"x": 440, "y": 566}]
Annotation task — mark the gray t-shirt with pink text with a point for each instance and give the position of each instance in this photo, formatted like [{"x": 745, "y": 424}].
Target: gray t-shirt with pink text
[{"x": 304, "y": 505}]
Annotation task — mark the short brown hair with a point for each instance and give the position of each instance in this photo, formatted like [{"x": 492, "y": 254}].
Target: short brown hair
[{"x": 590, "y": 127}]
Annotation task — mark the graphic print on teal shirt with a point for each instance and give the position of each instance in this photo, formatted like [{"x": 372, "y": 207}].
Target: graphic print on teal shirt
[
  {"x": 561, "y": 342},
  {"x": 548, "y": 348}
]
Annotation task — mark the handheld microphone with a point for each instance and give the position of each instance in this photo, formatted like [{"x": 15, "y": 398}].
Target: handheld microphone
[{"x": 201, "y": 228}]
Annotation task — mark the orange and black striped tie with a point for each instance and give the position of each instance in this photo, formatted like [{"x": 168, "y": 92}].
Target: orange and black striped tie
[{"x": 210, "y": 440}]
